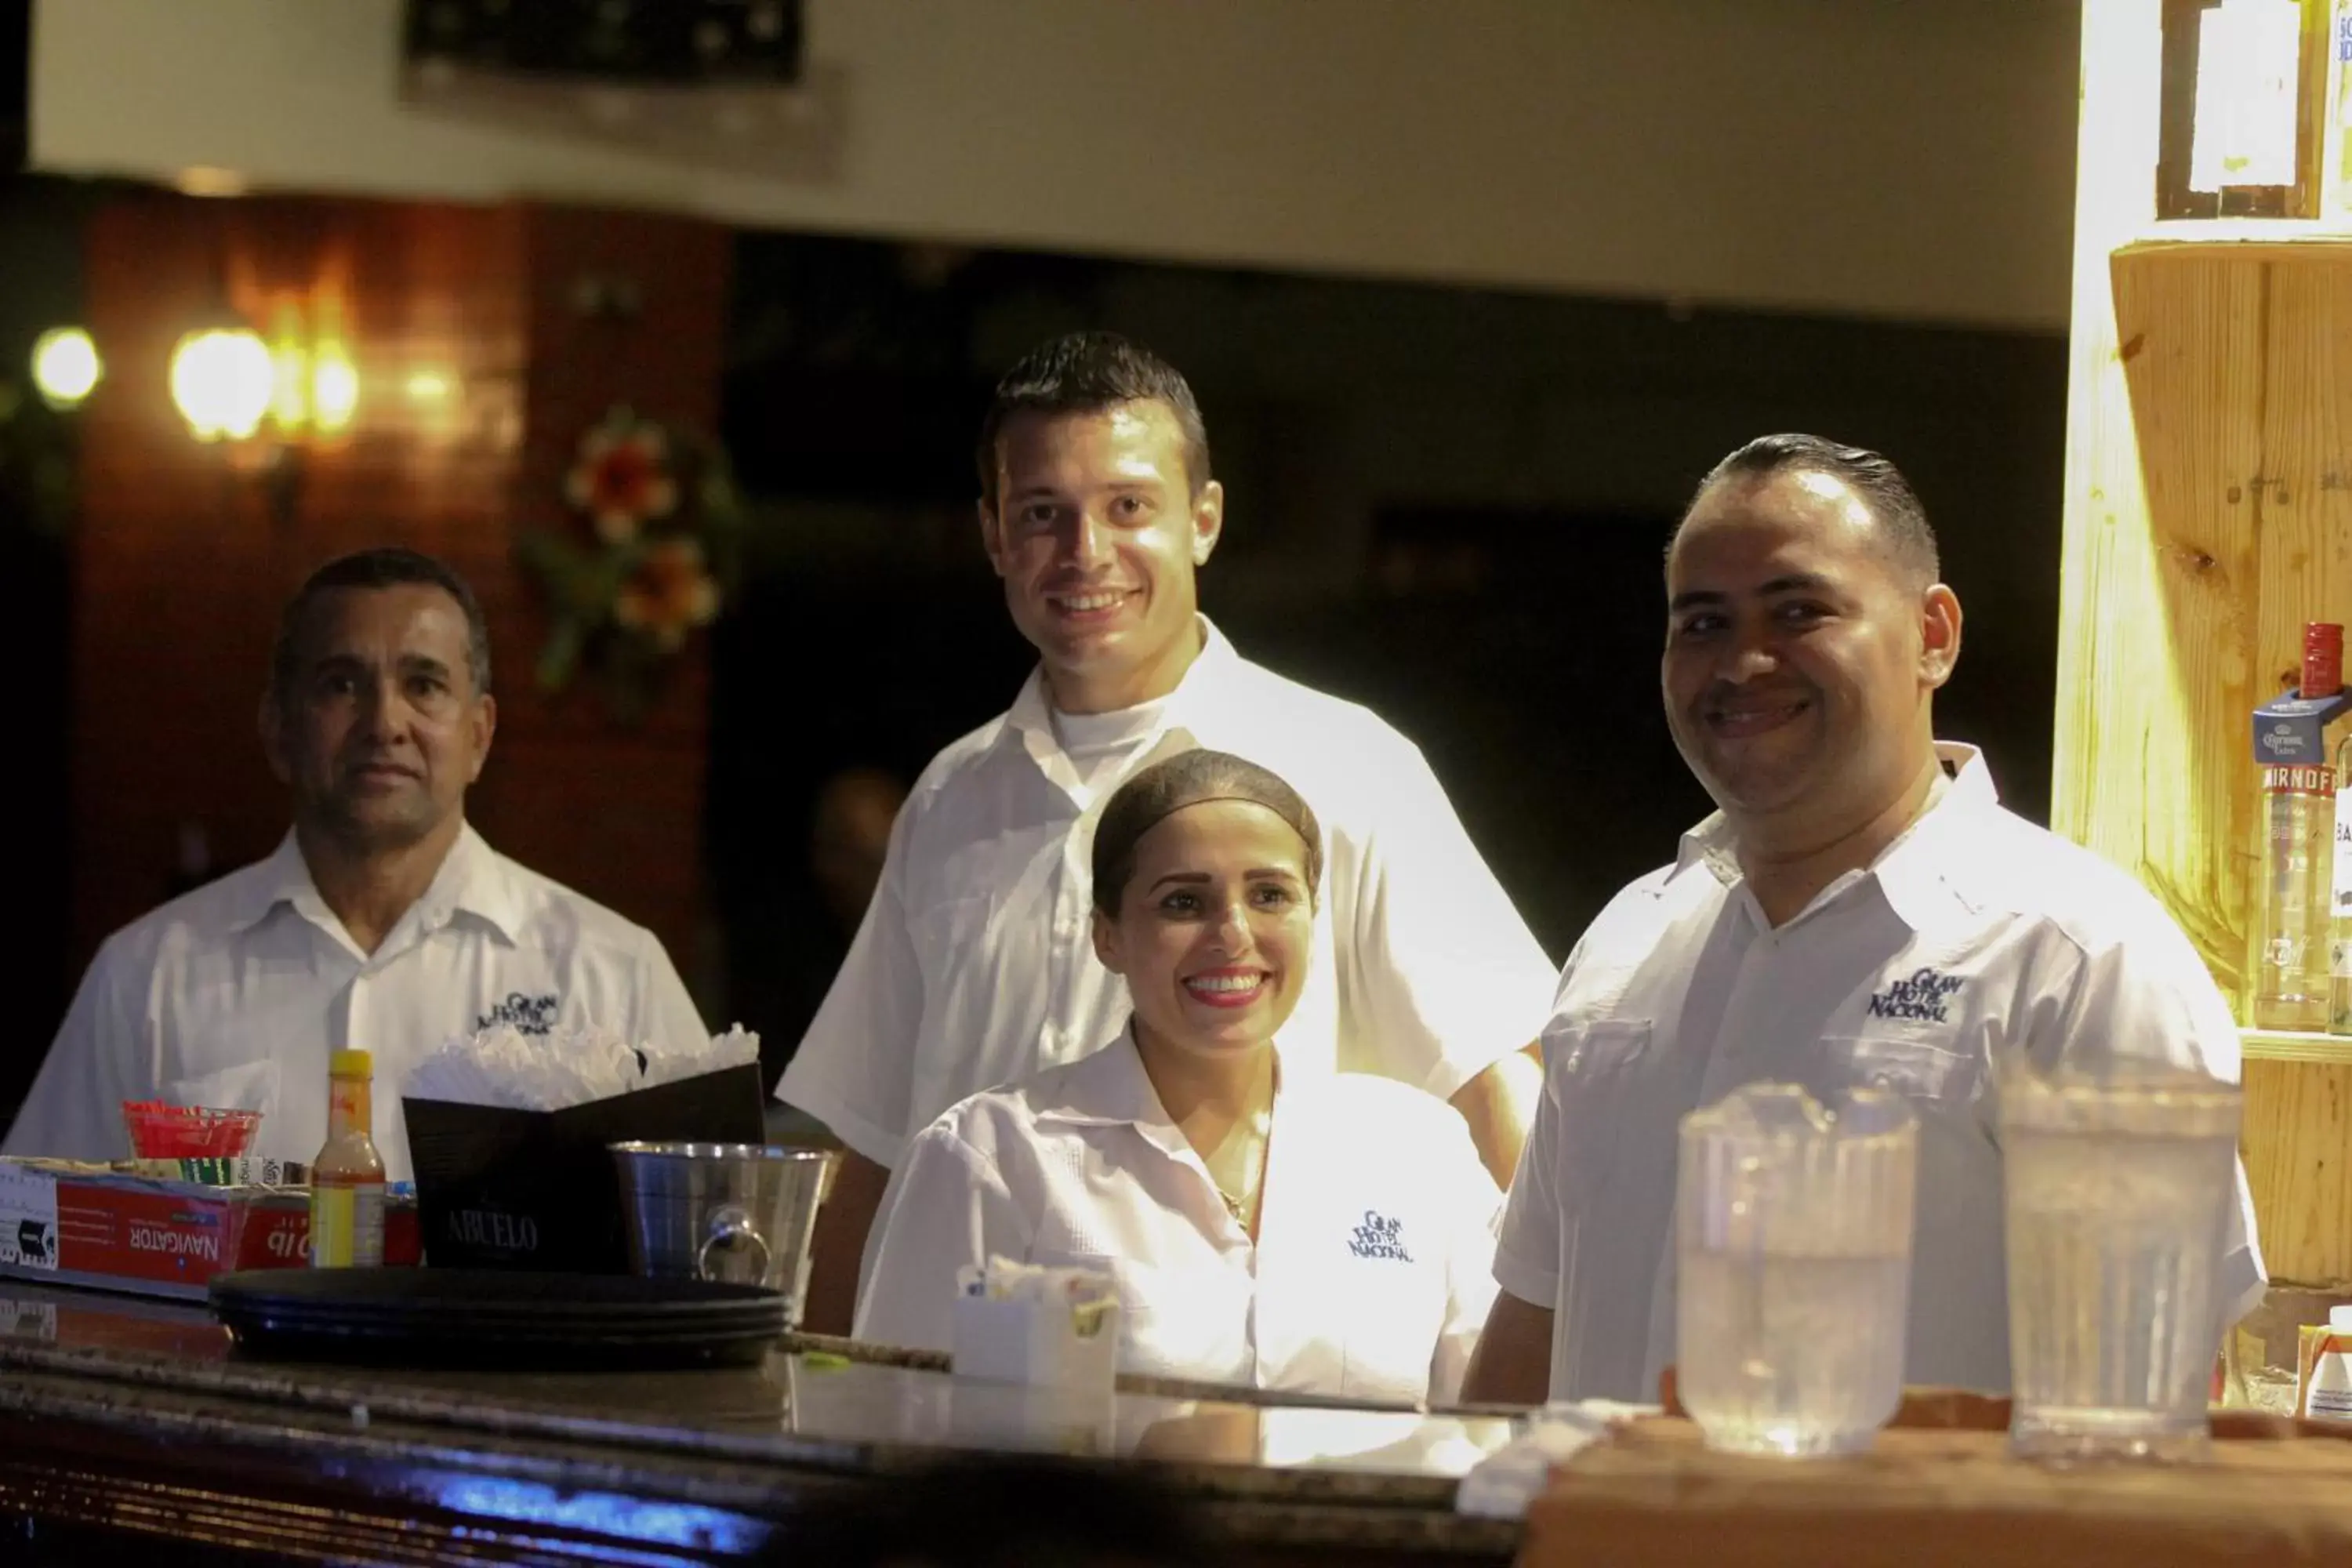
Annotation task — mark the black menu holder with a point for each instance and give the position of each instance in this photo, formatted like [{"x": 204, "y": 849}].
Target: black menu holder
[{"x": 537, "y": 1190}]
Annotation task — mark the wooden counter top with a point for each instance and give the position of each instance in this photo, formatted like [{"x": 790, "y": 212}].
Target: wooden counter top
[{"x": 1945, "y": 1499}]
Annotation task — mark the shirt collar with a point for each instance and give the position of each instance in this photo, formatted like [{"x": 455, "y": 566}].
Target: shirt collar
[
  {"x": 1938, "y": 863},
  {"x": 1921, "y": 873},
  {"x": 281, "y": 881},
  {"x": 1205, "y": 679},
  {"x": 1111, "y": 1088},
  {"x": 473, "y": 879}
]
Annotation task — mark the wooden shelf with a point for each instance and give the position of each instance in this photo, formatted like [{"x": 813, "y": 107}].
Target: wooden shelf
[
  {"x": 2264, "y": 234},
  {"x": 2208, "y": 517},
  {"x": 2278, "y": 1045}
]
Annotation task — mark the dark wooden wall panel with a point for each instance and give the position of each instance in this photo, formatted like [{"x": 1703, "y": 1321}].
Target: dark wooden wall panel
[{"x": 180, "y": 565}]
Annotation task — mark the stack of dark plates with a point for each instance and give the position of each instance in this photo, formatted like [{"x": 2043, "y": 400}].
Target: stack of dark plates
[{"x": 464, "y": 1317}]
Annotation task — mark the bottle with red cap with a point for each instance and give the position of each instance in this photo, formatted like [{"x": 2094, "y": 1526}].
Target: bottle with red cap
[
  {"x": 347, "y": 1178},
  {"x": 2339, "y": 923},
  {"x": 2291, "y": 961}
]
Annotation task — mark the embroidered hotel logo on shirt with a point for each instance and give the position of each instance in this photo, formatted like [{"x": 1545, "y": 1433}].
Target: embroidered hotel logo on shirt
[
  {"x": 1920, "y": 997},
  {"x": 527, "y": 1015},
  {"x": 1379, "y": 1237}
]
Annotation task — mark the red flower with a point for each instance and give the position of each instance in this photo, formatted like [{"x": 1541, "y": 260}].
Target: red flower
[
  {"x": 669, "y": 593},
  {"x": 623, "y": 480}
]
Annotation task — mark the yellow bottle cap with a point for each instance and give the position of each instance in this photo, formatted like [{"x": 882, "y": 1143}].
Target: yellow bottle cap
[{"x": 351, "y": 1064}]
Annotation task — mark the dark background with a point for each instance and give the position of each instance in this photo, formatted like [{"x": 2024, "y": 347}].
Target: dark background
[{"x": 1450, "y": 504}]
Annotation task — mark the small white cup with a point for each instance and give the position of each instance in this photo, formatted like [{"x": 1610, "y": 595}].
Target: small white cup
[{"x": 1035, "y": 1343}]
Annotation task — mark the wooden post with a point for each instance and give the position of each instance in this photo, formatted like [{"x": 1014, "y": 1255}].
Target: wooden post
[
  {"x": 2207, "y": 515},
  {"x": 2115, "y": 667}
]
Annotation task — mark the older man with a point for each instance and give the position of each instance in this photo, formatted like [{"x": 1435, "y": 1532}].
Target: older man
[
  {"x": 382, "y": 922},
  {"x": 1860, "y": 909}
]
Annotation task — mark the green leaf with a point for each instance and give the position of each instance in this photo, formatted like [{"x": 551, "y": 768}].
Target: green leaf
[{"x": 559, "y": 655}]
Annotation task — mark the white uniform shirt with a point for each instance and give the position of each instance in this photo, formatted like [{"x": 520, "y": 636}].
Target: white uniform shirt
[
  {"x": 234, "y": 995},
  {"x": 1974, "y": 932},
  {"x": 1371, "y": 1277},
  {"x": 973, "y": 967}
]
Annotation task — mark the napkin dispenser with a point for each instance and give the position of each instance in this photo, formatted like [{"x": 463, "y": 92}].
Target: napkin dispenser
[{"x": 1042, "y": 1328}]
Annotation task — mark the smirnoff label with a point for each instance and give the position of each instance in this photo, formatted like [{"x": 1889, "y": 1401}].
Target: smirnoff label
[
  {"x": 2341, "y": 881},
  {"x": 2310, "y": 779}
]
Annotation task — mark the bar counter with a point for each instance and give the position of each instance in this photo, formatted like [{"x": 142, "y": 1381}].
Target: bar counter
[
  {"x": 2275, "y": 1492},
  {"x": 125, "y": 1422},
  {"x": 134, "y": 1432}
]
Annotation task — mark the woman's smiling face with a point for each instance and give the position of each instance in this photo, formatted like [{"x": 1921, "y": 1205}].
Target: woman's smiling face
[{"x": 1214, "y": 928}]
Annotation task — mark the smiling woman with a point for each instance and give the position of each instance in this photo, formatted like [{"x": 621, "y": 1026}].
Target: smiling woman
[
  {"x": 1205, "y": 868},
  {"x": 1266, "y": 1228}
]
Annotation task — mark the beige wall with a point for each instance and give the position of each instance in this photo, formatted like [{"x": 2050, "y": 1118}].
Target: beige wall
[{"x": 1908, "y": 158}]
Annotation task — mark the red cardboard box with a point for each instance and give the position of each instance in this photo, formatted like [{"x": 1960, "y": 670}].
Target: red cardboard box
[{"x": 67, "y": 1224}]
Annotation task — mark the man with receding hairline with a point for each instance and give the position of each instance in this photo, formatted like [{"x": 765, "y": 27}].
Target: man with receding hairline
[
  {"x": 1860, "y": 909},
  {"x": 383, "y": 922}
]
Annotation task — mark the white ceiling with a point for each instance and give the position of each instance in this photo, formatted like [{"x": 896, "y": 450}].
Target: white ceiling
[{"x": 1899, "y": 158}]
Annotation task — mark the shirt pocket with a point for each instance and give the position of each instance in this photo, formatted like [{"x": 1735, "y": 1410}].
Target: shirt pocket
[
  {"x": 1601, "y": 1068},
  {"x": 962, "y": 1016},
  {"x": 1935, "y": 1079},
  {"x": 1598, "y": 1050},
  {"x": 946, "y": 928}
]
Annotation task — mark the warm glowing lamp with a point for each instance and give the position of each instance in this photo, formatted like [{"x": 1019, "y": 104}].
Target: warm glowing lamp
[
  {"x": 223, "y": 382},
  {"x": 65, "y": 366},
  {"x": 289, "y": 370},
  {"x": 334, "y": 387}
]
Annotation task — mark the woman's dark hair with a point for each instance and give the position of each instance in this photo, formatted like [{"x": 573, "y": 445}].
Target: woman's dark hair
[{"x": 1186, "y": 779}]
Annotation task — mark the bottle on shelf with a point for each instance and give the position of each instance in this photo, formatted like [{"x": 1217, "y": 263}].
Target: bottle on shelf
[
  {"x": 2290, "y": 963},
  {"x": 2339, "y": 924},
  {"x": 347, "y": 1178}
]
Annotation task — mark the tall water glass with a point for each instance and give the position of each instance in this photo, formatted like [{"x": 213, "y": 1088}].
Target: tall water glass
[
  {"x": 1793, "y": 1240},
  {"x": 2119, "y": 1189}
]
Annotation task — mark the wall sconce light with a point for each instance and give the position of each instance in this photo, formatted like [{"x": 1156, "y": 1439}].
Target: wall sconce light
[
  {"x": 222, "y": 383},
  {"x": 270, "y": 400},
  {"x": 65, "y": 366},
  {"x": 227, "y": 381},
  {"x": 334, "y": 387}
]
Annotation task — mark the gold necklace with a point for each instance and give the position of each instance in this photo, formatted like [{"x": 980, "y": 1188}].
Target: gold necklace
[{"x": 1237, "y": 1205}]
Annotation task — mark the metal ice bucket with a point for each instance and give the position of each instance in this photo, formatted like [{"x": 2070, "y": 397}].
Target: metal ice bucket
[{"x": 740, "y": 1213}]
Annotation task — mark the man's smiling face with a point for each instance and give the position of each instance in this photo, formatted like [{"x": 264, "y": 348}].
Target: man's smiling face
[{"x": 1796, "y": 674}]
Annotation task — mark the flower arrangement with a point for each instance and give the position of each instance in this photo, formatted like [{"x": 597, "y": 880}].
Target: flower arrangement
[{"x": 655, "y": 561}]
